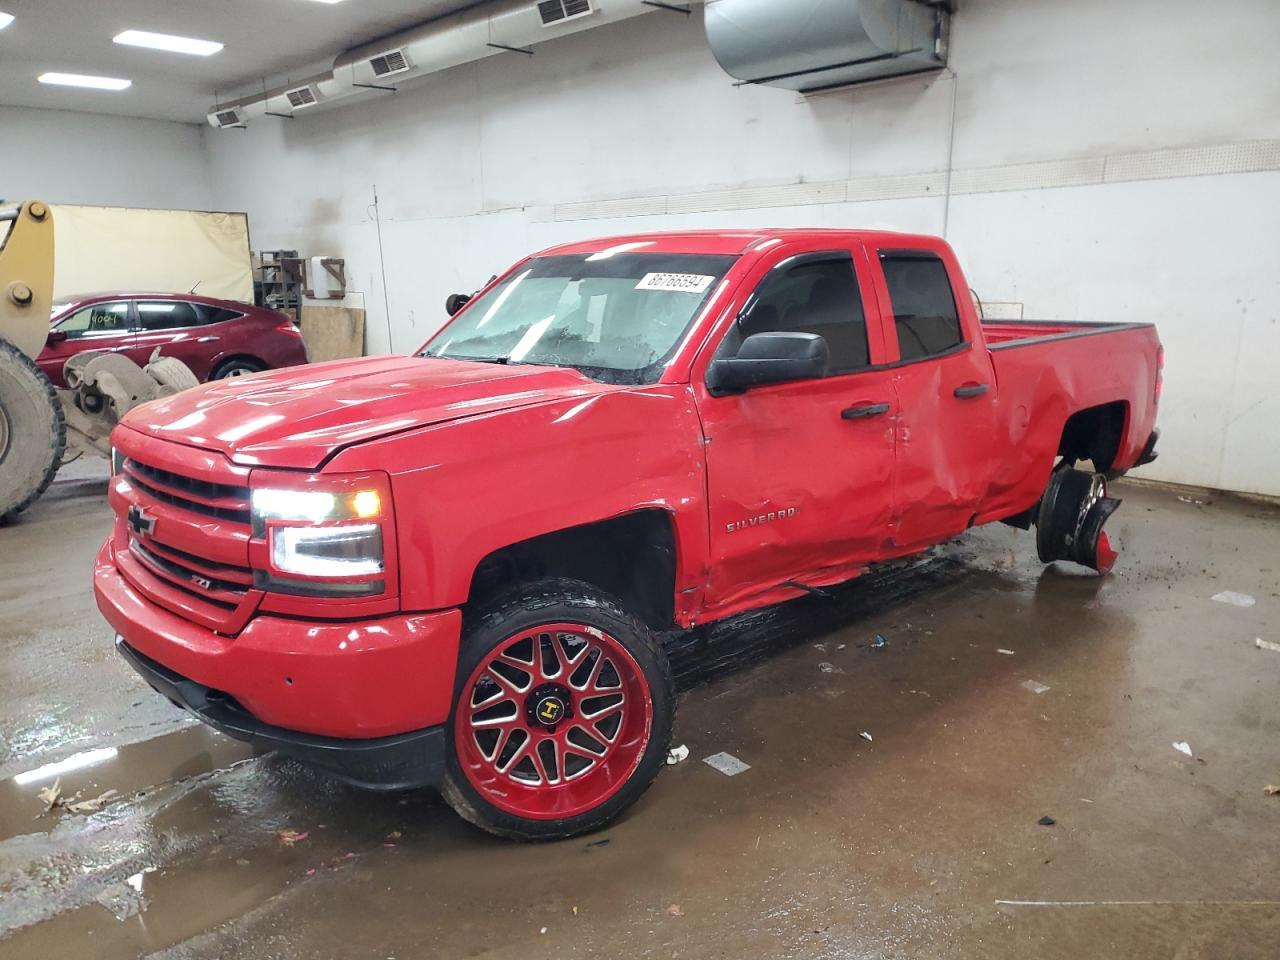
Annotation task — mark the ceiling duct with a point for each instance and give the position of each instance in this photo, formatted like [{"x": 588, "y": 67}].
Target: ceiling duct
[
  {"x": 300, "y": 97},
  {"x": 810, "y": 45},
  {"x": 473, "y": 34}
]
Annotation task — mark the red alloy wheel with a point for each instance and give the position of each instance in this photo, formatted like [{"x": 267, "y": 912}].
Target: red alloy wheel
[{"x": 553, "y": 721}]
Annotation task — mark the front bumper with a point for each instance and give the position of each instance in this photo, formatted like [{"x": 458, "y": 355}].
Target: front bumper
[
  {"x": 398, "y": 762},
  {"x": 313, "y": 686}
]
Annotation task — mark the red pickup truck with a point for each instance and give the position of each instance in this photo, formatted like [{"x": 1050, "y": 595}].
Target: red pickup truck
[{"x": 449, "y": 568}]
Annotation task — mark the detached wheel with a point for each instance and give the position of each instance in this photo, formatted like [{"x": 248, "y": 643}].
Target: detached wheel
[
  {"x": 33, "y": 433},
  {"x": 562, "y": 716}
]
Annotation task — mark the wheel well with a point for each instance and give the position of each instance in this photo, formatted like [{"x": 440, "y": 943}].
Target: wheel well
[
  {"x": 236, "y": 357},
  {"x": 632, "y": 557},
  {"x": 1094, "y": 434}
]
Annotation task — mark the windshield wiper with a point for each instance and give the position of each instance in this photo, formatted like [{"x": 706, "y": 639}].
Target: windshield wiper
[{"x": 440, "y": 356}]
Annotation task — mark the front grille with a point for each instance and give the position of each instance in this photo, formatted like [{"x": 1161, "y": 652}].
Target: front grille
[
  {"x": 221, "y": 500},
  {"x": 196, "y": 581},
  {"x": 186, "y": 535}
]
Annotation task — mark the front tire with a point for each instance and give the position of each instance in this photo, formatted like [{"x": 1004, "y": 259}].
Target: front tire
[
  {"x": 562, "y": 716},
  {"x": 236, "y": 367}
]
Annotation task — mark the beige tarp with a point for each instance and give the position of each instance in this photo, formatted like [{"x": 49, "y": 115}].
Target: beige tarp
[{"x": 169, "y": 251}]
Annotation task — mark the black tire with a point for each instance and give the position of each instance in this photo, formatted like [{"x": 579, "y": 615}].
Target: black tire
[
  {"x": 33, "y": 432},
  {"x": 236, "y": 367},
  {"x": 554, "y": 601}
]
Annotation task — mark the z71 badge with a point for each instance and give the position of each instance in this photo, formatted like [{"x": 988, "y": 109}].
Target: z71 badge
[{"x": 769, "y": 517}]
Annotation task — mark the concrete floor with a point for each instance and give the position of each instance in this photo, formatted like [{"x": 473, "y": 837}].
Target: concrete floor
[{"x": 922, "y": 842}]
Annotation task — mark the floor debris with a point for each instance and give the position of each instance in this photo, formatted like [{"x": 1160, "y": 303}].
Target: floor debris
[
  {"x": 1007, "y": 653},
  {"x": 1183, "y": 747},
  {"x": 51, "y": 796},
  {"x": 726, "y": 763},
  {"x": 675, "y": 910},
  {"x": 290, "y": 837},
  {"x": 1272, "y": 790},
  {"x": 1234, "y": 598},
  {"x": 866, "y": 736},
  {"x": 1035, "y": 686},
  {"x": 825, "y": 667},
  {"x": 1266, "y": 645},
  {"x": 676, "y": 754},
  {"x": 1046, "y": 821},
  {"x": 879, "y": 641}
]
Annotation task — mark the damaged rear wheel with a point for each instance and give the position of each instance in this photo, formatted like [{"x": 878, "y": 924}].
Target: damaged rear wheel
[{"x": 1069, "y": 523}]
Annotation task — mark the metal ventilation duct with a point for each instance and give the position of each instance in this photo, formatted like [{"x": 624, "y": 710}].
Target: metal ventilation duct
[
  {"x": 499, "y": 27},
  {"x": 810, "y": 45}
]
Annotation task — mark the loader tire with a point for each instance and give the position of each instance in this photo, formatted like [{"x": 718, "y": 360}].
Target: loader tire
[{"x": 33, "y": 432}]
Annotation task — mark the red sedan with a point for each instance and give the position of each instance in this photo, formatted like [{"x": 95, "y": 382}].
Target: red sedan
[{"x": 215, "y": 338}]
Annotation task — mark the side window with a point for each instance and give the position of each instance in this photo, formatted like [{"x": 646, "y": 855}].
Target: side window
[
  {"x": 924, "y": 311},
  {"x": 210, "y": 314},
  {"x": 819, "y": 296},
  {"x": 166, "y": 315},
  {"x": 97, "y": 320}
]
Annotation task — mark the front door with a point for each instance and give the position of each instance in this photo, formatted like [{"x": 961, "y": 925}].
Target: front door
[
  {"x": 97, "y": 326},
  {"x": 800, "y": 474}
]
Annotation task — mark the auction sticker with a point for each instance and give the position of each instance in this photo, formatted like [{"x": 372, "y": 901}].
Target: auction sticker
[{"x": 680, "y": 282}]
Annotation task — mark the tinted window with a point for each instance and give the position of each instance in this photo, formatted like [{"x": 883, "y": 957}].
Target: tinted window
[
  {"x": 166, "y": 314},
  {"x": 924, "y": 311},
  {"x": 210, "y": 314},
  {"x": 97, "y": 320},
  {"x": 815, "y": 297}
]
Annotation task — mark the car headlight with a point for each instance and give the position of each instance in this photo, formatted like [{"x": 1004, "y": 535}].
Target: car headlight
[{"x": 325, "y": 535}]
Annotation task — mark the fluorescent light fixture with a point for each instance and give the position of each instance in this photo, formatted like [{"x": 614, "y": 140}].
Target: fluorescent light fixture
[
  {"x": 77, "y": 761},
  {"x": 328, "y": 1},
  {"x": 78, "y": 80},
  {"x": 5, "y": 20},
  {"x": 163, "y": 41}
]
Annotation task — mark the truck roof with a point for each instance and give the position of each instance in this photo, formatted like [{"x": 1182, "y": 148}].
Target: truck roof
[{"x": 729, "y": 241}]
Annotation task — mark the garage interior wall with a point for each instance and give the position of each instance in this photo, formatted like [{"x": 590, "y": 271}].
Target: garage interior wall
[
  {"x": 1025, "y": 154},
  {"x": 84, "y": 158}
]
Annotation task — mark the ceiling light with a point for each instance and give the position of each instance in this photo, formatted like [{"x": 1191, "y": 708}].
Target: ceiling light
[
  {"x": 77, "y": 80},
  {"x": 328, "y": 1},
  {"x": 5, "y": 20},
  {"x": 162, "y": 41}
]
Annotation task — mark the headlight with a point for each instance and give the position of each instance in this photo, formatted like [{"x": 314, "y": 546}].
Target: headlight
[
  {"x": 347, "y": 550},
  {"x": 324, "y": 535}
]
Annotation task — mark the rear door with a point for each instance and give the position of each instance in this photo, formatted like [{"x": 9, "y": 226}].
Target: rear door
[
  {"x": 800, "y": 474},
  {"x": 177, "y": 328},
  {"x": 106, "y": 325},
  {"x": 946, "y": 396}
]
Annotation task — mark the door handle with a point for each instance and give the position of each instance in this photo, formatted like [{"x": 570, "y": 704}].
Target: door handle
[
  {"x": 970, "y": 390},
  {"x": 864, "y": 411}
]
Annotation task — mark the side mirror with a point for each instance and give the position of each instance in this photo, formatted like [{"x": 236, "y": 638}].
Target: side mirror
[
  {"x": 766, "y": 358},
  {"x": 56, "y": 336},
  {"x": 455, "y": 302}
]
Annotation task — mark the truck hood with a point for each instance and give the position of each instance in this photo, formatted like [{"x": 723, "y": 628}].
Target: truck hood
[{"x": 300, "y": 416}]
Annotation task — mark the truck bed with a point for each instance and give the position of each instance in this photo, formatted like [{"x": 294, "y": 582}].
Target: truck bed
[{"x": 1001, "y": 334}]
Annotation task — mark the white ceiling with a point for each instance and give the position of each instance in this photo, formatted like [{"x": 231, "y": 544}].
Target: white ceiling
[{"x": 271, "y": 38}]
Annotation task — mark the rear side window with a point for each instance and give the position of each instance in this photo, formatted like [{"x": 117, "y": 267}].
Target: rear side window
[
  {"x": 814, "y": 297},
  {"x": 924, "y": 311},
  {"x": 210, "y": 314},
  {"x": 166, "y": 314}
]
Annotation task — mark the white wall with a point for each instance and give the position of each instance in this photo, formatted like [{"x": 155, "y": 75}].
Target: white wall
[
  {"x": 65, "y": 157},
  {"x": 1105, "y": 161}
]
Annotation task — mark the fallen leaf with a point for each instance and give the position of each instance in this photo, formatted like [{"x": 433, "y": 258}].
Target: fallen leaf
[
  {"x": 575, "y": 909},
  {"x": 1273, "y": 790},
  {"x": 675, "y": 910},
  {"x": 50, "y": 796},
  {"x": 290, "y": 837},
  {"x": 93, "y": 805}
]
